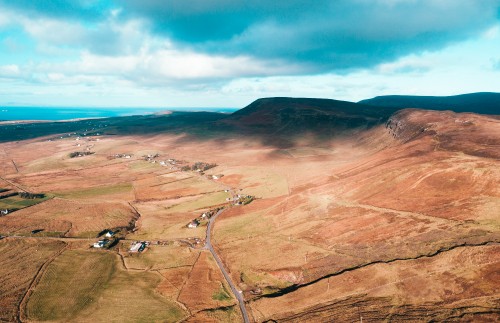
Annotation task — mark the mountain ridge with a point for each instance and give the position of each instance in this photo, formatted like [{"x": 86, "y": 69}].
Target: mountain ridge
[{"x": 477, "y": 102}]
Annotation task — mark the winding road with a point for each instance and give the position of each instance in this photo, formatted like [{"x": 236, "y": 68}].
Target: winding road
[{"x": 237, "y": 293}]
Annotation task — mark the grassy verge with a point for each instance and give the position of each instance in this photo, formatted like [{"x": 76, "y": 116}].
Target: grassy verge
[{"x": 222, "y": 294}]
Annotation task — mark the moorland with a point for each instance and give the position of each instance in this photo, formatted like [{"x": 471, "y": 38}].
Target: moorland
[{"x": 300, "y": 210}]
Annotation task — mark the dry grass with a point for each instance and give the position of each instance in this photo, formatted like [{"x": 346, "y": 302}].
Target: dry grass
[
  {"x": 263, "y": 182},
  {"x": 445, "y": 282},
  {"x": 157, "y": 223},
  {"x": 115, "y": 191},
  {"x": 205, "y": 273},
  {"x": 20, "y": 261},
  {"x": 160, "y": 257},
  {"x": 71, "y": 283},
  {"x": 97, "y": 289},
  {"x": 68, "y": 218}
]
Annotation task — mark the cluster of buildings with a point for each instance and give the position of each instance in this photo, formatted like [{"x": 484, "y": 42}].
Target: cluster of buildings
[
  {"x": 101, "y": 243},
  {"x": 203, "y": 217},
  {"x": 153, "y": 160},
  {"x": 241, "y": 199},
  {"x": 126, "y": 156}
]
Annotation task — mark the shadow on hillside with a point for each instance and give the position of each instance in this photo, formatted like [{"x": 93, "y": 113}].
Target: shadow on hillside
[{"x": 196, "y": 126}]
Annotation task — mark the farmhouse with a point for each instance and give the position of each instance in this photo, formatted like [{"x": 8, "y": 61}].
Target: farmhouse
[
  {"x": 138, "y": 246},
  {"x": 100, "y": 243},
  {"x": 193, "y": 224},
  {"x": 4, "y": 212}
]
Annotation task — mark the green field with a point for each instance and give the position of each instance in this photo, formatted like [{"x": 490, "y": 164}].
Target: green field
[
  {"x": 96, "y": 191},
  {"x": 17, "y": 202},
  {"x": 71, "y": 283},
  {"x": 91, "y": 286},
  {"x": 222, "y": 294}
]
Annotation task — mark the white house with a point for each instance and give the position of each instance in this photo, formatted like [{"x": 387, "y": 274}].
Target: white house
[
  {"x": 100, "y": 244},
  {"x": 193, "y": 224}
]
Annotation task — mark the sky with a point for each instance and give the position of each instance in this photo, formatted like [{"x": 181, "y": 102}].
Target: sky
[{"x": 227, "y": 53}]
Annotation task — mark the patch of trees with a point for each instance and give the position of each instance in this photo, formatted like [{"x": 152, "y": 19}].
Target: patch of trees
[
  {"x": 31, "y": 196},
  {"x": 80, "y": 154},
  {"x": 246, "y": 199},
  {"x": 8, "y": 195},
  {"x": 198, "y": 166}
]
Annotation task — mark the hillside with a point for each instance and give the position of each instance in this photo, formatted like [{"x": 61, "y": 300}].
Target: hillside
[
  {"x": 281, "y": 121},
  {"x": 292, "y": 114},
  {"x": 405, "y": 221},
  {"x": 483, "y": 103},
  {"x": 352, "y": 212}
]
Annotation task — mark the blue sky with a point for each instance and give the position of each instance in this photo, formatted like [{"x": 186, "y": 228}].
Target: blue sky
[{"x": 200, "y": 53}]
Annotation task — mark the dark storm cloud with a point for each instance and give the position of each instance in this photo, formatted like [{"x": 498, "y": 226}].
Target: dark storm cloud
[{"x": 322, "y": 34}]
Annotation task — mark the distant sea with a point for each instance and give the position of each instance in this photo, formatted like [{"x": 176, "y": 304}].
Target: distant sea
[{"x": 39, "y": 113}]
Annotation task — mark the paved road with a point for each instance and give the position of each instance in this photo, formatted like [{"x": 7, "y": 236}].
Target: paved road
[{"x": 236, "y": 292}]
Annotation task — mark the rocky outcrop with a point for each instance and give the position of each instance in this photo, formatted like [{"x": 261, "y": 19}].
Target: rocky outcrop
[
  {"x": 370, "y": 309},
  {"x": 402, "y": 128}
]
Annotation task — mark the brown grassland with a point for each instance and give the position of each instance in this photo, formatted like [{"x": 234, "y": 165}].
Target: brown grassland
[{"x": 391, "y": 223}]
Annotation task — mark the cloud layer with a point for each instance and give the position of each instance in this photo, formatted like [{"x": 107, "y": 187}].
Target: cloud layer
[
  {"x": 322, "y": 34},
  {"x": 237, "y": 49}
]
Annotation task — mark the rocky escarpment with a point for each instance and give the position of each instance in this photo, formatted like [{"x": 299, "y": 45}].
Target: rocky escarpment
[
  {"x": 376, "y": 309},
  {"x": 469, "y": 133},
  {"x": 401, "y": 127}
]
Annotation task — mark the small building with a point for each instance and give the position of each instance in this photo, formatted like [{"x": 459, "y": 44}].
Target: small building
[
  {"x": 4, "y": 212},
  {"x": 100, "y": 244},
  {"x": 138, "y": 246},
  {"x": 109, "y": 234},
  {"x": 135, "y": 247},
  {"x": 193, "y": 224}
]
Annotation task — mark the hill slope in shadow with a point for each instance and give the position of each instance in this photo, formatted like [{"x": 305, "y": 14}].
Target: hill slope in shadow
[{"x": 482, "y": 102}]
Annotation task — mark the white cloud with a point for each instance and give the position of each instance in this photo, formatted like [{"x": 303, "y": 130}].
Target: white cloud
[
  {"x": 9, "y": 71},
  {"x": 4, "y": 19},
  {"x": 492, "y": 33},
  {"x": 119, "y": 62}
]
